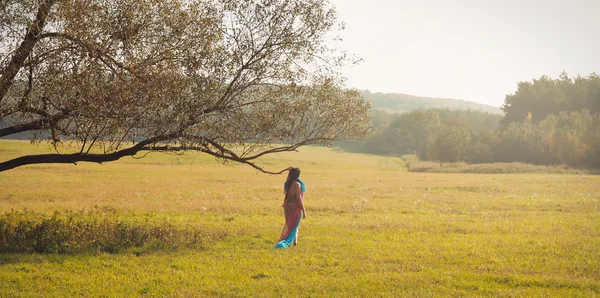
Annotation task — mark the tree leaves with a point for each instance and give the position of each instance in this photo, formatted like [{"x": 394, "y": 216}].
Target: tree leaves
[{"x": 229, "y": 78}]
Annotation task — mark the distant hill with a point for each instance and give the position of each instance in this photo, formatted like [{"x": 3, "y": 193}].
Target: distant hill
[{"x": 401, "y": 103}]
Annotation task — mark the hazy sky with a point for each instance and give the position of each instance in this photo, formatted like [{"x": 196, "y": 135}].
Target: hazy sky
[{"x": 476, "y": 50}]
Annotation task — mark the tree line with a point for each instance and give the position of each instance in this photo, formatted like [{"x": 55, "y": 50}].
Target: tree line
[{"x": 547, "y": 122}]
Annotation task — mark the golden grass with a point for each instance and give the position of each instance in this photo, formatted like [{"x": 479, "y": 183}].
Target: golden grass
[{"x": 373, "y": 229}]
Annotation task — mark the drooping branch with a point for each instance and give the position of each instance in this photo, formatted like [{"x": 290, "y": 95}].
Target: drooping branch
[
  {"x": 142, "y": 146},
  {"x": 64, "y": 158},
  {"x": 224, "y": 156},
  {"x": 83, "y": 157}
]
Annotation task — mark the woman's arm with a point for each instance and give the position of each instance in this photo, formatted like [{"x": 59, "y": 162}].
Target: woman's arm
[{"x": 299, "y": 198}]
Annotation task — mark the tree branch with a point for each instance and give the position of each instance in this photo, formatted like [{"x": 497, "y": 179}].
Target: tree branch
[
  {"x": 93, "y": 51},
  {"x": 44, "y": 123},
  {"x": 77, "y": 157},
  {"x": 8, "y": 73},
  {"x": 215, "y": 154}
]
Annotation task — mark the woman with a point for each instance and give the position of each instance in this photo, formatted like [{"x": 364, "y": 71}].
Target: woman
[{"x": 293, "y": 207}]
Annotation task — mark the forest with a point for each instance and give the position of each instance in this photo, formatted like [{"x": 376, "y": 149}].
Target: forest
[{"x": 546, "y": 121}]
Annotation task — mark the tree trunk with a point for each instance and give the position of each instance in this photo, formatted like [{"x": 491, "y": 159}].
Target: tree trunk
[{"x": 8, "y": 74}]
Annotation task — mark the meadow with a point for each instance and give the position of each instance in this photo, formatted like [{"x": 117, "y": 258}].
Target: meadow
[{"x": 372, "y": 229}]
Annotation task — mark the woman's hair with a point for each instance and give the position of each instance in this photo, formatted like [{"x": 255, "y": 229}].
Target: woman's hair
[{"x": 292, "y": 175}]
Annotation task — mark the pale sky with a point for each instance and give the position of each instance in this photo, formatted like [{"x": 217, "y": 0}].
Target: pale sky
[{"x": 476, "y": 50}]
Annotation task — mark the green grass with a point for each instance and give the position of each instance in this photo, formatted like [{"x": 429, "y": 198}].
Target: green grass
[{"x": 373, "y": 229}]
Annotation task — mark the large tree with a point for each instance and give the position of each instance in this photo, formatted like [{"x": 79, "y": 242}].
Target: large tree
[
  {"x": 449, "y": 142},
  {"x": 234, "y": 79}
]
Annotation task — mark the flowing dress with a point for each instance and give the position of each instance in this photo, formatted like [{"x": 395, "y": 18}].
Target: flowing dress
[{"x": 293, "y": 216}]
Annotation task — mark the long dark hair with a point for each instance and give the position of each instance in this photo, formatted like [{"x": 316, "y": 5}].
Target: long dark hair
[{"x": 292, "y": 176}]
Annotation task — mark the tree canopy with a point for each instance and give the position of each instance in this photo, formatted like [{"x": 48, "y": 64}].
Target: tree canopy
[
  {"x": 544, "y": 96},
  {"x": 233, "y": 79}
]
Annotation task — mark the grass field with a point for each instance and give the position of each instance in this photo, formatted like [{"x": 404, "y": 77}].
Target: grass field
[
  {"x": 414, "y": 164},
  {"x": 372, "y": 229}
]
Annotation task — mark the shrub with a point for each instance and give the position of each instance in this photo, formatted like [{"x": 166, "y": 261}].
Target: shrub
[{"x": 63, "y": 233}]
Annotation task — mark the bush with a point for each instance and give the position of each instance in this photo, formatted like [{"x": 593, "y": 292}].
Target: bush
[
  {"x": 414, "y": 164},
  {"x": 63, "y": 233}
]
